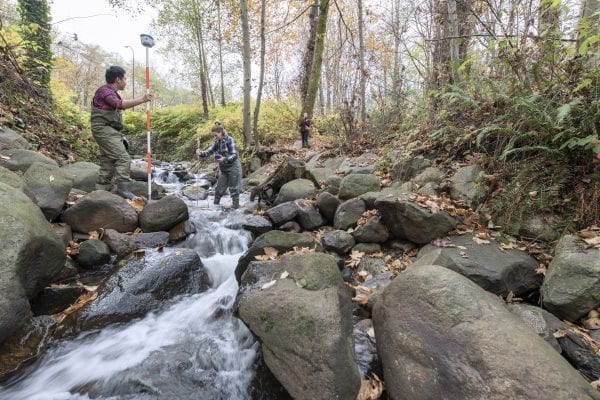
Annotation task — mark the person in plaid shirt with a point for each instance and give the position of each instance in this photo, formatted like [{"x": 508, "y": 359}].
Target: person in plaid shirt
[
  {"x": 229, "y": 164},
  {"x": 107, "y": 122}
]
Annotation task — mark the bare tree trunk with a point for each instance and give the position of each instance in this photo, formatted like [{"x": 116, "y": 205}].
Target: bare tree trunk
[
  {"x": 262, "y": 73},
  {"x": 309, "y": 56},
  {"x": 211, "y": 97},
  {"x": 589, "y": 23},
  {"x": 361, "y": 57},
  {"x": 247, "y": 71},
  {"x": 203, "y": 89},
  {"x": 315, "y": 73},
  {"x": 220, "y": 44}
]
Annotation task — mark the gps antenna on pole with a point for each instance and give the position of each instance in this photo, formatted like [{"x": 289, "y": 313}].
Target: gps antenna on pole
[{"x": 148, "y": 42}]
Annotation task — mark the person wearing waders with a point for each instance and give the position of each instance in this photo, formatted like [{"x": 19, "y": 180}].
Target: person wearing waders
[
  {"x": 107, "y": 122},
  {"x": 305, "y": 127},
  {"x": 229, "y": 164}
]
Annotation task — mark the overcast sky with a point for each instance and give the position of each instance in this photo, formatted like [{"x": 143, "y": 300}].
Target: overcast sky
[{"x": 95, "y": 22}]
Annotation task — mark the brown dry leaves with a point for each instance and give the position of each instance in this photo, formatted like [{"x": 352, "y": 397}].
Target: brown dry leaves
[
  {"x": 354, "y": 259},
  {"x": 370, "y": 388},
  {"x": 366, "y": 216},
  {"x": 84, "y": 299},
  {"x": 591, "y": 237},
  {"x": 270, "y": 254},
  {"x": 137, "y": 204},
  {"x": 72, "y": 248}
]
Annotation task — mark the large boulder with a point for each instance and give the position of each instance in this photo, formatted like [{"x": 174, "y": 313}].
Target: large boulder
[
  {"x": 50, "y": 187},
  {"x": 21, "y": 159},
  {"x": 257, "y": 224},
  {"x": 407, "y": 168},
  {"x": 372, "y": 231},
  {"x": 407, "y": 220},
  {"x": 354, "y": 185},
  {"x": 282, "y": 241},
  {"x": 494, "y": 269},
  {"x": 283, "y": 212},
  {"x": 308, "y": 216},
  {"x": 30, "y": 255},
  {"x": 12, "y": 179},
  {"x": 453, "y": 340},
  {"x": 143, "y": 285},
  {"x": 327, "y": 204},
  {"x": 163, "y": 214},
  {"x": 467, "y": 185},
  {"x": 304, "y": 322},
  {"x": 296, "y": 189},
  {"x": 348, "y": 213},
  {"x": 84, "y": 174},
  {"x": 101, "y": 209},
  {"x": 572, "y": 285},
  {"x": 540, "y": 321},
  {"x": 10, "y": 139}
]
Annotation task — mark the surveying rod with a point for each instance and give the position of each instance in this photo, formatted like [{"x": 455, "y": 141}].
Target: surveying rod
[{"x": 148, "y": 42}]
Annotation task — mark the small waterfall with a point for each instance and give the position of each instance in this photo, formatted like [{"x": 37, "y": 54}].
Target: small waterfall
[{"x": 193, "y": 349}]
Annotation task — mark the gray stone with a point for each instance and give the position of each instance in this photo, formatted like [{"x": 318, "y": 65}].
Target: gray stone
[
  {"x": 541, "y": 321},
  {"x": 367, "y": 248},
  {"x": 373, "y": 231},
  {"x": 495, "y": 270},
  {"x": 93, "y": 253},
  {"x": 84, "y": 175},
  {"x": 296, "y": 189},
  {"x": 327, "y": 204},
  {"x": 143, "y": 285},
  {"x": 572, "y": 284},
  {"x": 163, "y": 214},
  {"x": 354, "y": 185},
  {"x": 282, "y": 241},
  {"x": 181, "y": 231},
  {"x": 21, "y": 160},
  {"x": 453, "y": 340},
  {"x": 429, "y": 175},
  {"x": 10, "y": 140},
  {"x": 50, "y": 187},
  {"x": 467, "y": 185},
  {"x": 405, "y": 169},
  {"x": 308, "y": 216},
  {"x": 257, "y": 224},
  {"x": 348, "y": 213},
  {"x": 339, "y": 241},
  {"x": 407, "y": 220},
  {"x": 101, "y": 209},
  {"x": 12, "y": 179},
  {"x": 283, "y": 212},
  {"x": 31, "y": 254},
  {"x": 141, "y": 189},
  {"x": 301, "y": 343}
]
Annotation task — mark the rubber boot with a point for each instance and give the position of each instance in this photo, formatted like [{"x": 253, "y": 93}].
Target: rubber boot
[
  {"x": 217, "y": 200},
  {"x": 235, "y": 202},
  {"x": 104, "y": 186},
  {"x": 124, "y": 190}
]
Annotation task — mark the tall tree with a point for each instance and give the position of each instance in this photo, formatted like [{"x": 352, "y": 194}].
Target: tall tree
[
  {"x": 315, "y": 73},
  {"x": 220, "y": 46},
  {"x": 261, "y": 74},
  {"x": 309, "y": 54},
  {"x": 589, "y": 25},
  {"x": 35, "y": 18},
  {"x": 246, "y": 59},
  {"x": 361, "y": 60}
]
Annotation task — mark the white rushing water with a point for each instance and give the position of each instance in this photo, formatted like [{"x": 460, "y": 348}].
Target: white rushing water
[{"x": 194, "y": 349}]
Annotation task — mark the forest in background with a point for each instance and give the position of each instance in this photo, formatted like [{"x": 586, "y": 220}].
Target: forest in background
[{"x": 510, "y": 84}]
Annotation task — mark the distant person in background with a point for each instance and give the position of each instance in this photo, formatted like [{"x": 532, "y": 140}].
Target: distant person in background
[
  {"x": 229, "y": 164},
  {"x": 107, "y": 122},
  {"x": 305, "y": 127}
]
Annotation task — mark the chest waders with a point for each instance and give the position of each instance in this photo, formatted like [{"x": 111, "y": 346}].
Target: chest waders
[{"x": 114, "y": 159}]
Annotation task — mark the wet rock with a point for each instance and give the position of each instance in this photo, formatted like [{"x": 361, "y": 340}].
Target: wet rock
[
  {"x": 101, "y": 209},
  {"x": 163, "y": 214},
  {"x": 53, "y": 300},
  {"x": 257, "y": 224},
  {"x": 92, "y": 253},
  {"x": 181, "y": 231}
]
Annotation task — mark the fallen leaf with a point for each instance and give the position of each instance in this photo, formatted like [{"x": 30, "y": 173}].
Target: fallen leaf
[
  {"x": 51, "y": 178},
  {"x": 370, "y": 389},
  {"x": 271, "y": 252},
  {"x": 362, "y": 294},
  {"x": 284, "y": 275},
  {"x": 463, "y": 254},
  {"x": 355, "y": 258},
  {"x": 443, "y": 242},
  {"x": 541, "y": 270},
  {"x": 480, "y": 241},
  {"x": 371, "y": 332},
  {"x": 268, "y": 284}
]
